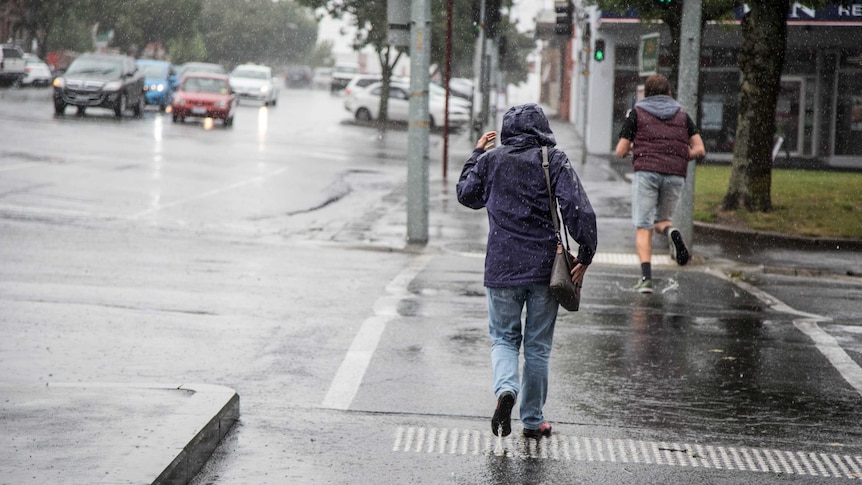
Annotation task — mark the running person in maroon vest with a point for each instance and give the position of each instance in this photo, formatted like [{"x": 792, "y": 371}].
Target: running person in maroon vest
[{"x": 662, "y": 139}]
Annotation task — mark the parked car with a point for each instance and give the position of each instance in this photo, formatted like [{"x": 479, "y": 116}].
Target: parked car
[
  {"x": 321, "y": 77},
  {"x": 298, "y": 77},
  {"x": 36, "y": 72},
  {"x": 204, "y": 95},
  {"x": 190, "y": 67},
  {"x": 12, "y": 64},
  {"x": 364, "y": 80},
  {"x": 341, "y": 76},
  {"x": 111, "y": 81},
  {"x": 461, "y": 87},
  {"x": 160, "y": 81},
  {"x": 364, "y": 104},
  {"x": 253, "y": 81},
  {"x": 438, "y": 91}
]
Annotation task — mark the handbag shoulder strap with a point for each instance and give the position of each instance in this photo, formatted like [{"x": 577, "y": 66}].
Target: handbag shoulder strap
[{"x": 553, "y": 198}]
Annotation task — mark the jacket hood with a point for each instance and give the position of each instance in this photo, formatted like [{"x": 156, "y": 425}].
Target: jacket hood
[
  {"x": 661, "y": 106},
  {"x": 526, "y": 125}
]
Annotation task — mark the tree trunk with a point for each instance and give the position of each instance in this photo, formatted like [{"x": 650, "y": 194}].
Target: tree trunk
[{"x": 761, "y": 61}]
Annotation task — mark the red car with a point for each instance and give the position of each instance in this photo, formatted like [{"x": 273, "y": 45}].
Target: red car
[{"x": 204, "y": 95}]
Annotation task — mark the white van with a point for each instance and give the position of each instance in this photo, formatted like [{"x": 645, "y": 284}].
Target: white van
[{"x": 13, "y": 67}]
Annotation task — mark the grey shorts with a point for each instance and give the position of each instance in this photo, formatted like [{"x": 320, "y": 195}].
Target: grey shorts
[{"x": 654, "y": 197}]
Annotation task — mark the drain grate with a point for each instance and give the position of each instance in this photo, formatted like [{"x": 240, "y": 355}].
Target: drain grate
[{"x": 455, "y": 441}]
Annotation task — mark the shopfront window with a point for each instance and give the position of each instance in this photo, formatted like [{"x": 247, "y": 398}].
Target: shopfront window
[
  {"x": 718, "y": 110},
  {"x": 848, "y": 115},
  {"x": 787, "y": 114}
]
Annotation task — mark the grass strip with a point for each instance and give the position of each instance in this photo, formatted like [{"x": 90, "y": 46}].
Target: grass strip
[{"x": 805, "y": 203}]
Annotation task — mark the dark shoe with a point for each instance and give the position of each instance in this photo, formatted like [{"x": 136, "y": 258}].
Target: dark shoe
[
  {"x": 501, "y": 423},
  {"x": 544, "y": 430},
  {"x": 678, "y": 251},
  {"x": 644, "y": 286}
]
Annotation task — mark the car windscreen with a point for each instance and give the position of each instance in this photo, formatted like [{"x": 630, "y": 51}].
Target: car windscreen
[
  {"x": 98, "y": 67},
  {"x": 153, "y": 70},
  {"x": 249, "y": 73},
  {"x": 204, "y": 85}
]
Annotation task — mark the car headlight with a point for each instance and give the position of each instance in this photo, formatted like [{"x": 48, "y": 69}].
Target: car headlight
[
  {"x": 112, "y": 86},
  {"x": 179, "y": 101},
  {"x": 220, "y": 104},
  {"x": 160, "y": 87},
  {"x": 60, "y": 82},
  {"x": 264, "y": 89}
]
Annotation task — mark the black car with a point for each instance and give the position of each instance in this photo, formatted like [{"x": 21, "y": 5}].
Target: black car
[
  {"x": 298, "y": 77},
  {"x": 109, "y": 81}
]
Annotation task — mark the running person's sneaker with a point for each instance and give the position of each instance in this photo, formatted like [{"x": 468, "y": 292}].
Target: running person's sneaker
[
  {"x": 678, "y": 251},
  {"x": 644, "y": 286},
  {"x": 544, "y": 430},
  {"x": 501, "y": 422}
]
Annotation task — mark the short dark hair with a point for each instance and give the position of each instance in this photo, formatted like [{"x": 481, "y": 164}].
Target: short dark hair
[{"x": 656, "y": 84}]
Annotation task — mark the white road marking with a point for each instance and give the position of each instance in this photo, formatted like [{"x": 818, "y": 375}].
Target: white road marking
[
  {"x": 209, "y": 193},
  {"x": 347, "y": 380},
  {"x": 458, "y": 441},
  {"x": 808, "y": 324}
]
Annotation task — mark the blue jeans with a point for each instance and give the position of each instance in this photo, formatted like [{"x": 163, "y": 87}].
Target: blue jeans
[{"x": 505, "y": 306}]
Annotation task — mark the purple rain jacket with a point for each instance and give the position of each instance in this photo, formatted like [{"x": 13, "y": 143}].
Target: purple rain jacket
[{"x": 509, "y": 182}]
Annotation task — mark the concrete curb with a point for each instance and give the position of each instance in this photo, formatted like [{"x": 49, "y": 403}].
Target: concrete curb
[
  {"x": 182, "y": 442},
  {"x": 775, "y": 239}
]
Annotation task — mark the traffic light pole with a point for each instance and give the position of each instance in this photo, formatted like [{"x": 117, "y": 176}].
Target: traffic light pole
[
  {"x": 689, "y": 72},
  {"x": 419, "y": 128}
]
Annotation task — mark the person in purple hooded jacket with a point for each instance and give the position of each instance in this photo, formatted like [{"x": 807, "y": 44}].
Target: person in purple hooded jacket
[
  {"x": 509, "y": 182},
  {"x": 662, "y": 139}
]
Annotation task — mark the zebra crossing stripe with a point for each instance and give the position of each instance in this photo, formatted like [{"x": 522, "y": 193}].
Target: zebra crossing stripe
[{"x": 454, "y": 441}]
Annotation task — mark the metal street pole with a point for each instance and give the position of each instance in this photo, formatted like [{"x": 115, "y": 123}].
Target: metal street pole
[
  {"x": 418, "y": 129},
  {"x": 689, "y": 72},
  {"x": 447, "y": 77}
]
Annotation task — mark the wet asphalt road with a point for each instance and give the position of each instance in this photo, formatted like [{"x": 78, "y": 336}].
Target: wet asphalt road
[{"x": 137, "y": 250}]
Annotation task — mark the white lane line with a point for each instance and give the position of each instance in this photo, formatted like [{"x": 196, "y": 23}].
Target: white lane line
[
  {"x": 346, "y": 382},
  {"x": 829, "y": 347},
  {"x": 21, "y": 166},
  {"x": 209, "y": 193},
  {"x": 807, "y": 324}
]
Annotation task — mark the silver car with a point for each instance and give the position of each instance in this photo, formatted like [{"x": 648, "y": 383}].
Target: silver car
[
  {"x": 253, "y": 81},
  {"x": 37, "y": 73}
]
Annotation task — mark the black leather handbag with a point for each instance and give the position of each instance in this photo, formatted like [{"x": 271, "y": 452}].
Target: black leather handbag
[{"x": 568, "y": 294}]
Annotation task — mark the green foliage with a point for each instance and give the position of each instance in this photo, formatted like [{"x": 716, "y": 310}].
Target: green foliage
[
  {"x": 181, "y": 49},
  {"x": 370, "y": 19},
  {"x": 261, "y": 31},
  {"x": 69, "y": 33}
]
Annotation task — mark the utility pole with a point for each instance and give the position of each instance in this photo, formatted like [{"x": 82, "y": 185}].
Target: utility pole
[
  {"x": 689, "y": 72},
  {"x": 418, "y": 129}
]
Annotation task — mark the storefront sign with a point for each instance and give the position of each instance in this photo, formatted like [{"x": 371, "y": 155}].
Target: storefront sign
[
  {"x": 648, "y": 54},
  {"x": 800, "y": 14}
]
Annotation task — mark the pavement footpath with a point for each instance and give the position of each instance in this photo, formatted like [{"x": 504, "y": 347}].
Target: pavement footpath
[{"x": 122, "y": 433}]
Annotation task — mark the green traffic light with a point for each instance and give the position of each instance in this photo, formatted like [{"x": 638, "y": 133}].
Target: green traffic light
[{"x": 600, "y": 56}]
